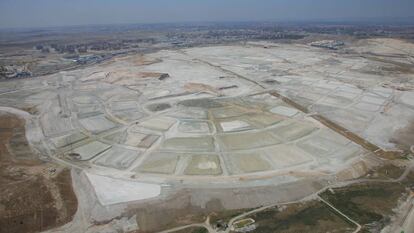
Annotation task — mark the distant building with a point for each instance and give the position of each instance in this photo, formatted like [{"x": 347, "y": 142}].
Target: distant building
[{"x": 328, "y": 44}]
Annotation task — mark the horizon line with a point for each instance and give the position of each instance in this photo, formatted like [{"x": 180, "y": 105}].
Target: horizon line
[{"x": 359, "y": 20}]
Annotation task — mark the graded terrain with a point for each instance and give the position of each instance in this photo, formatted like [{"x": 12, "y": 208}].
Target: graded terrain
[{"x": 238, "y": 137}]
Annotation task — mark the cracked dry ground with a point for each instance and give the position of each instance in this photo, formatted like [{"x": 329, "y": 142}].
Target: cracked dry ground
[{"x": 34, "y": 195}]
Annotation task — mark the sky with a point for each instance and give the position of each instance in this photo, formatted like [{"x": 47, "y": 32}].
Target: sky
[{"x": 40, "y": 13}]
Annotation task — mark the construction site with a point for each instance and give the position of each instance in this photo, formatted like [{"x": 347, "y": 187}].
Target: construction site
[{"x": 156, "y": 142}]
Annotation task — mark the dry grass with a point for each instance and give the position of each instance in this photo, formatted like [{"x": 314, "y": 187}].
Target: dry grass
[{"x": 32, "y": 198}]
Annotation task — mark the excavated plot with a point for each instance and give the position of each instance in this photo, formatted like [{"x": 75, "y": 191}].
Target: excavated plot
[
  {"x": 90, "y": 150},
  {"x": 116, "y": 137},
  {"x": 373, "y": 100},
  {"x": 284, "y": 156},
  {"x": 138, "y": 139},
  {"x": 262, "y": 120},
  {"x": 233, "y": 126},
  {"x": 247, "y": 162},
  {"x": 85, "y": 99},
  {"x": 55, "y": 125},
  {"x": 158, "y": 123},
  {"x": 319, "y": 146},
  {"x": 117, "y": 157},
  {"x": 159, "y": 162},
  {"x": 68, "y": 139},
  {"x": 255, "y": 132},
  {"x": 227, "y": 112},
  {"x": 335, "y": 101},
  {"x": 158, "y": 107},
  {"x": 203, "y": 103},
  {"x": 126, "y": 190},
  {"x": 88, "y": 110},
  {"x": 97, "y": 124},
  {"x": 127, "y": 105},
  {"x": 199, "y": 127},
  {"x": 203, "y": 165},
  {"x": 129, "y": 115},
  {"x": 323, "y": 143},
  {"x": 190, "y": 113},
  {"x": 284, "y": 111},
  {"x": 368, "y": 107},
  {"x": 246, "y": 140},
  {"x": 292, "y": 130},
  {"x": 147, "y": 141},
  {"x": 200, "y": 144}
]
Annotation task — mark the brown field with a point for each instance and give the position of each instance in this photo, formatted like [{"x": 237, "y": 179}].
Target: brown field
[{"x": 35, "y": 196}]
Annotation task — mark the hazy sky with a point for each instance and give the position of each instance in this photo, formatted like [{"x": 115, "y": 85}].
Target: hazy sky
[{"x": 33, "y": 13}]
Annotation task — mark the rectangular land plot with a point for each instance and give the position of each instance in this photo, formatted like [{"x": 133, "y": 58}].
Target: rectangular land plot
[
  {"x": 90, "y": 150},
  {"x": 323, "y": 143},
  {"x": 85, "y": 99},
  {"x": 88, "y": 110},
  {"x": 117, "y": 106},
  {"x": 137, "y": 139},
  {"x": 284, "y": 111},
  {"x": 194, "y": 127},
  {"x": 335, "y": 101},
  {"x": 148, "y": 140},
  {"x": 158, "y": 123},
  {"x": 55, "y": 125},
  {"x": 262, "y": 120},
  {"x": 125, "y": 191},
  {"x": 351, "y": 151},
  {"x": 284, "y": 156},
  {"x": 292, "y": 131},
  {"x": 201, "y": 144},
  {"x": 203, "y": 165},
  {"x": 68, "y": 139},
  {"x": 247, "y": 162},
  {"x": 227, "y": 112},
  {"x": 133, "y": 138},
  {"x": 233, "y": 126},
  {"x": 116, "y": 137},
  {"x": 367, "y": 107},
  {"x": 373, "y": 100},
  {"x": 97, "y": 124},
  {"x": 117, "y": 157},
  {"x": 318, "y": 146},
  {"x": 129, "y": 115},
  {"x": 190, "y": 113},
  {"x": 246, "y": 140},
  {"x": 158, "y": 162}
]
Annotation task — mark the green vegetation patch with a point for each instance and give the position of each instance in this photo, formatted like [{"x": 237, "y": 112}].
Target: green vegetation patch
[
  {"x": 193, "y": 230},
  {"x": 310, "y": 217},
  {"x": 243, "y": 223},
  {"x": 367, "y": 204}
]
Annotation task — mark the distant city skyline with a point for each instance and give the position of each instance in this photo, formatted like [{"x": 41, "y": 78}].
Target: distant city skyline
[{"x": 43, "y": 13}]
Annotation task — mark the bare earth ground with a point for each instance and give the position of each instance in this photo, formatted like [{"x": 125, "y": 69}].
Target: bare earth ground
[
  {"x": 231, "y": 129},
  {"x": 404, "y": 137},
  {"x": 32, "y": 198}
]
